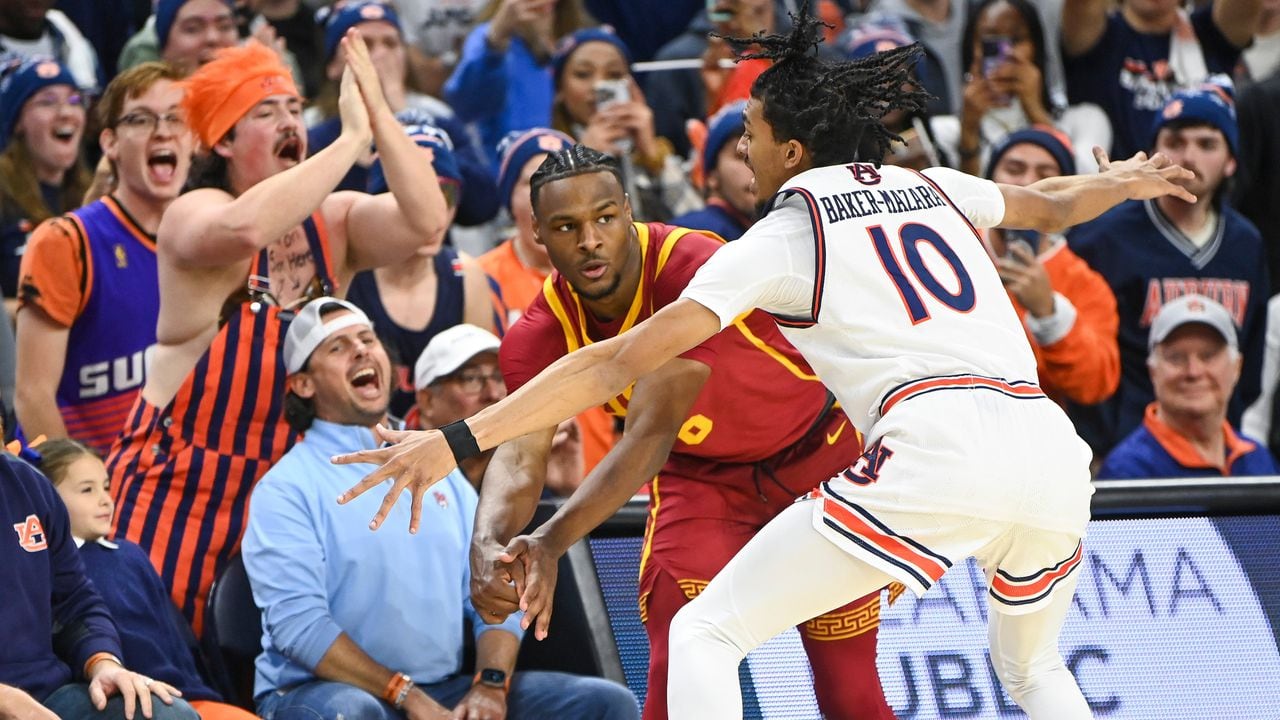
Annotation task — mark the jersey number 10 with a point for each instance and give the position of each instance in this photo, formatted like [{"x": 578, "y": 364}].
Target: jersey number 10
[{"x": 909, "y": 238}]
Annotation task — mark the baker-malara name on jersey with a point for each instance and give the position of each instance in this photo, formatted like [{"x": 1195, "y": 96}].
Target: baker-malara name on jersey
[{"x": 861, "y": 203}]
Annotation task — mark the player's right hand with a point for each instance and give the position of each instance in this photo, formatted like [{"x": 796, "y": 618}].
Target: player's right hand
[
  {"x": 493, "y": 582},
  {"x": 1147, "y": 177},
  {"x": 541, "y": 567}
]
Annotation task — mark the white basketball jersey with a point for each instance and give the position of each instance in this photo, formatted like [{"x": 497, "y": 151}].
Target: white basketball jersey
[{"x": 905, "y": 289}]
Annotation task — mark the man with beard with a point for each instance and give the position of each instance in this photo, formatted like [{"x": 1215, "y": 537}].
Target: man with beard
[
  {"x": 315, "y": 572},
  {"x": 261, "y": 235},
  {"x": 88, "y": 292},
  {"x": 724, "y": 451},
  {"x": 1172, "y": 248}
]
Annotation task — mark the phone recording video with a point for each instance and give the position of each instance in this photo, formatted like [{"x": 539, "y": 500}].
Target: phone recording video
[
  {"x": 996, "y": 49},
  {"x": 1028, "y": 239},
  {"x": 612, "y": 92}
]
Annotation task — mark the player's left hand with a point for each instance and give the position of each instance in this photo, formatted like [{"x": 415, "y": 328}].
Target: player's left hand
[
  {"x": 416, "y": 460},
  {"x": 1147, "y": 177},
  {"x": 538, "y": 589}
]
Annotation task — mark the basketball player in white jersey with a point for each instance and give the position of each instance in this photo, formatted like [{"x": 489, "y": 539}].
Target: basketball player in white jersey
[{"x": 877, "y": 276}]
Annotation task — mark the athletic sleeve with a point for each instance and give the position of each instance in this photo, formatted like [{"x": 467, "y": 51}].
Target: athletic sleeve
[
  {"x": 980, "y": 200},
  {"x": 52, "y": 275},
  {"x": 770, "y": 267}
]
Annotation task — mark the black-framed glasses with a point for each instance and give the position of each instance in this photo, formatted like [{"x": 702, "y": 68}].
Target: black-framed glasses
[
  {"x": 472, "y": 382},
  {"x": 147, "y": 121}
]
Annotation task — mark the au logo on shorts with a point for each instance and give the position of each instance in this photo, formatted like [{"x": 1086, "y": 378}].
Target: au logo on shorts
[{"x": 31, "y": 535}]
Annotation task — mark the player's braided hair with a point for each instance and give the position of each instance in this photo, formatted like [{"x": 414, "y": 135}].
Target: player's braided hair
[
  {"x": 573, "y": 160},
  {"x": 833, "y": 109}
]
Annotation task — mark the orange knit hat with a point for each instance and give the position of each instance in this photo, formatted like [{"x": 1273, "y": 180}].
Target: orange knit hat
[{"x": 224, "y": 89}]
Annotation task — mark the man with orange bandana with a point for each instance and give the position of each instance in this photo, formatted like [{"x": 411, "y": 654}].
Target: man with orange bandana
[
  {"x": 263, "y": 233},
  {"x": 726, "y": 449}
]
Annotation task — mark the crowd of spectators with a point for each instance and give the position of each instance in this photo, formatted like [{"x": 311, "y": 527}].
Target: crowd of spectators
[{"x": 180, "y": 178}]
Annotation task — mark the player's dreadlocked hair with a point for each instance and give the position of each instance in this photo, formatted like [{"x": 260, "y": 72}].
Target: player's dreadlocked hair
[
  {"x": 833, "y": 109},
  {"x": 573, "y": 160}
]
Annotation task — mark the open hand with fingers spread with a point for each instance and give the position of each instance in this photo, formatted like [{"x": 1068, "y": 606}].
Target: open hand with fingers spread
[
  {"x": 1147, "y": 177},
  {"x": 416, "y": 460}
]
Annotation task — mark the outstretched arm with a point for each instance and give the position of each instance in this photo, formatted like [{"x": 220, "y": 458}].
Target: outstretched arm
[
  {"x": 587, "y": 377},
  {"x": 1055, "y": 204}
]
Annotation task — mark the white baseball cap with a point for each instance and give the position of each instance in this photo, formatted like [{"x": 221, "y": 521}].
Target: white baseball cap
[
  {"x": 450, "y": 350},
  {"x": 1191, "y": 309},
  {"x": 308, "y": 330}
]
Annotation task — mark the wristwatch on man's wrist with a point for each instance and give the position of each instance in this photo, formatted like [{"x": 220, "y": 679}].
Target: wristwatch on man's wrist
[{"x": 494, "y": 678}]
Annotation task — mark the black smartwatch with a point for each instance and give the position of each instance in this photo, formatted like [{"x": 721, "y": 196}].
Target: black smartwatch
[{"x": 494, "y": 678}]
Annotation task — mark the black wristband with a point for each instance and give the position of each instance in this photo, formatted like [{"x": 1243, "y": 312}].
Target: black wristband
[{"x": 461, "y": 441}]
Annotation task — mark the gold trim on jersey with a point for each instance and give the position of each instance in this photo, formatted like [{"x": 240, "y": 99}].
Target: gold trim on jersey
[
  {"x": 771, "y": 351},
  {"x": 655, "y": 500}
]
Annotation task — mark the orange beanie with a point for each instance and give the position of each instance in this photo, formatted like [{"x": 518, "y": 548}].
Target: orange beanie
[{"x": 219, "y": 93}]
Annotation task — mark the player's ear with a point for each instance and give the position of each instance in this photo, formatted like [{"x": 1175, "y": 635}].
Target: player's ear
[
  {"x": 794, "y": 154},
  {"x": 626, "y": 208}
]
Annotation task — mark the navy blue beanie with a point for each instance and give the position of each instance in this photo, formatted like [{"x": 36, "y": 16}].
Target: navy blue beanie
[
  {"x": 570, "y": 43},
  {"x": 1212, "y": 103},
  {"x": 724, "y": 126},
  {"x": 443, "y": 160},
  {"x": 340, "y": 17},
  {"x": 167, "y": 12},
  {"x": 22, "y": 77},
  {"x": 1054, "y": 142},
  {"x": 516, "y": 149}
]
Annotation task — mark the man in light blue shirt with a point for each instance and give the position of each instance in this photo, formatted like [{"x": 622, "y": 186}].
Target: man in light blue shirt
[{"x": 369, "y": 625}]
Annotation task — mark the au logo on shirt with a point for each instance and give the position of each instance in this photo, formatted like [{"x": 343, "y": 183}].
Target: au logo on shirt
[
  {"x": 31, "y": 535},
  {"x": 122, "y": 259}
]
